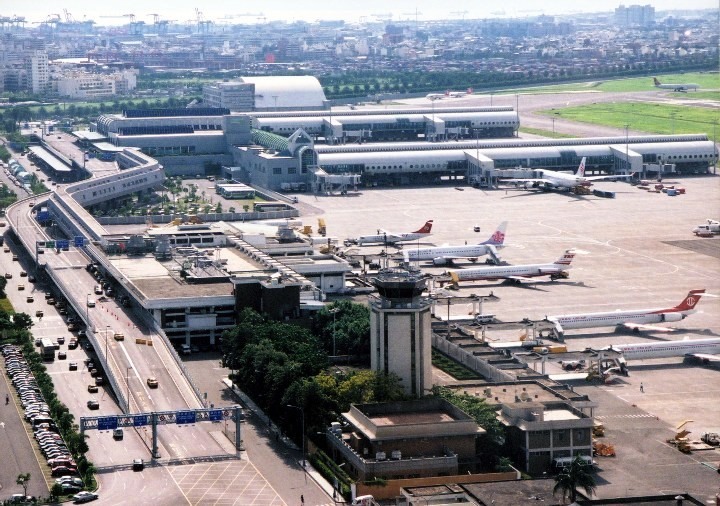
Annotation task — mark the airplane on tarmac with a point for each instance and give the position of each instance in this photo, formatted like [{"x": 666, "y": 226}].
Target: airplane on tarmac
[
  {"x": 516, "y": 273},
  {"x": 707, "y": 350},
  {"x": 683, "y": 87},
  {"x": 384, "y": 237},
  {"x": 636, "y": 319},
  {"x": 709, "y": 229},
  {"x": 551, "y": 179},
  {"x": 443, "y": 255}
]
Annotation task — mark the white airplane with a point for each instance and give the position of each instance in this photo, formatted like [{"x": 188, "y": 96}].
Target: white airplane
[
  {"x": 442, "y": 255},
  {"x": 684, "y": 87},
  {"x": 435, "y": 96},
  {"x": 709, "y": 229},
  {"x": 384, "y": 237},
  {"x": 551, "y": 179},
  {"x": 633, "y": 319},
  {"x": 517, "y": 273},
  {"x": 458, "y": 94},
  {"x": 706, "y": 350}
]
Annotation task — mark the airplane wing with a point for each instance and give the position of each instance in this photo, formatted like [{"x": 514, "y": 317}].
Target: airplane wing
[
  {"x": 642, "y": 326},
  {"x": 705, "y": 357}
]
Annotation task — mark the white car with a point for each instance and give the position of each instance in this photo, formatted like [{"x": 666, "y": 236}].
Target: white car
[
  {"x": 91, "y": 303},
  {"x": 84, "y": 496}
]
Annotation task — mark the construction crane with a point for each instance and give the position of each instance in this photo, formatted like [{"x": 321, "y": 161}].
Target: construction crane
[
  {"x": 203, "y": 24},
  {"x": 460, "y": 13},
  {"x": 383, "y": 17}
]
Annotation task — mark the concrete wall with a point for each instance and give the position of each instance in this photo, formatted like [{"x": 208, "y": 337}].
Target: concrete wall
[{"x": 391, "y": 489}]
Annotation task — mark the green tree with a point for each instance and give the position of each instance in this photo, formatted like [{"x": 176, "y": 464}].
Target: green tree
[
  {"x": 574, "y": 476},
  {"x": 22, "y": 321},
  {"x": 22, "y": 480}
]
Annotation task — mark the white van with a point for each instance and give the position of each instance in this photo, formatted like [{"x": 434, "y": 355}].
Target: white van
[
  {"x": 561, "y": 463},
  {"x": 363, "y": 500}
]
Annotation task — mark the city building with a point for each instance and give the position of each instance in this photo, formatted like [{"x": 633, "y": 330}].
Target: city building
[{"x": 266, "y": 93}]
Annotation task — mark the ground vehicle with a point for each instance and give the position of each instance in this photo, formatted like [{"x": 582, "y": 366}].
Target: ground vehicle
[
  {"x": 84, "y": 496},
  {"x": 8, "y": 275},
  {"x": 72, "y": 344},
  {"x": 61, "y": 340},
  {"x": 98, "y": 290},
  {"x": 138, "y": 464},
  {"x": 560, "y": 463},
  {"x": 363, "y": 500},
  {"x": 47, "y": 349},
  {"x": 21, "y": 287},
  {"x": 99, "y": 380},
  {"x": 15, "y": 258},
  {"x": 30, "y": 298},
  {"x": 23, "y": 274},
  {"x": 118, "y": 434},
  {"x": 152, "y": 382},
  {"x": 62, "y": 355},
  {"x": 572, "y": 365},
  {"x": 93, "y": 404},
  {"x": 73, "y": 366},
  {"x": 63, "y": 471},
  {"x": 92, "y": 389},
  {"x": 185, "y": 349},
  {"x": 39, "y": 313},
  {"x": 119, "y": 336},
  {"x": 91, "y": 303}
]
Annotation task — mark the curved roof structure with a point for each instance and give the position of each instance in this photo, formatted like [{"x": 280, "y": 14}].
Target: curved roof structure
[{"x": 286, "y": 92}]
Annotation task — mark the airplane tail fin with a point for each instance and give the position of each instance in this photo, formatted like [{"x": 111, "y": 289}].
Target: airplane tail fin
[
  {"x": 657, "y": 83},
  {"x": 690, "y": 301},
  {"x": 498, "y": 237},
  {"x": 581, "y": 168},
  {"x": 425, "y": 228},
  {"x": 566, "y": 258}
]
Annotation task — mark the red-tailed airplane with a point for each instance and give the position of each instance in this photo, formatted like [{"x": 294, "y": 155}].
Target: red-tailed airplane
[
  {"x": 633, "y": 319},
  {"x": 384, "y": 237},
  {"x": 517, "y": 273}
]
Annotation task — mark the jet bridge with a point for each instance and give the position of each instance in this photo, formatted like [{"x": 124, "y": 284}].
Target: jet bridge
[{"x": 322, "y": 182}]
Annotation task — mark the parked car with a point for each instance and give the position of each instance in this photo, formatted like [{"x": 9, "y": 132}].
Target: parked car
[
  {"x": 93, "y": 403},
  {"x": 138, "y": 464}
]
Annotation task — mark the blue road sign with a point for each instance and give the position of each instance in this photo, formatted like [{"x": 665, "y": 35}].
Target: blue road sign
[
  {"x": 215, "y": 415},
  {"x": 79, "y": 241},
  {"x": 140, "y": 420},
  {"x": 63, "y": 244},
  {"x": 107, "y": 423},
  {"x": 185, "y": 417}
]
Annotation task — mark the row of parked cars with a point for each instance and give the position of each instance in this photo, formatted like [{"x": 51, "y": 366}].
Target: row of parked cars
[
  {"x": 37, "y": 413},
  {"x": 45, "y": 432}
]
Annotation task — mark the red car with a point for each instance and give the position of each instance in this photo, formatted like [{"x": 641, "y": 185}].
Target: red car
[{"x": 63, "y": 471}]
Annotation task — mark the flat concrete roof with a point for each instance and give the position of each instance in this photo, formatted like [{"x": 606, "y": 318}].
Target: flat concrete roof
[
  {"x": 412, "y": 418},
  {"x": 550, "y": 415}
]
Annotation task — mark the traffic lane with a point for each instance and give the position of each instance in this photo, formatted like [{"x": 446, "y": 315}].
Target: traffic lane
[
  {"x": 15, "y": 446},
  {"x": 154, "y": 485}
]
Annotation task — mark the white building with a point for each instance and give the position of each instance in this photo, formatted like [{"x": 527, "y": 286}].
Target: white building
[{"x": 88, "y": 85}]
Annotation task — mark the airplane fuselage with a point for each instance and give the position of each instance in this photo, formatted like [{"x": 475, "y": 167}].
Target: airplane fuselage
[
  {"x": 611, "y": 319},
  {"x": 504, "y": 272},
  {"x": 668, "y": 348},
  {"x": 387, "y": 239},
  {"x": 469, "y": 251}
]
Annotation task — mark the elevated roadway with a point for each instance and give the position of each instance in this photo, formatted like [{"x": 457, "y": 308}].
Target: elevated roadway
[{"x": 141, "y": 354}]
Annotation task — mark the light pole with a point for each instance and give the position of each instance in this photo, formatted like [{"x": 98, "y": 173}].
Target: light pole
[
  {"x": 87, "y": 309},
  {"x": 127, "y": 383},
  {"x": 302, "y": 428},
  {"x": 334, "y": 311}
]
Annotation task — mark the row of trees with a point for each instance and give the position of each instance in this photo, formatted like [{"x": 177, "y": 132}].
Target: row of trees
[{"x": 363, "y": 83}]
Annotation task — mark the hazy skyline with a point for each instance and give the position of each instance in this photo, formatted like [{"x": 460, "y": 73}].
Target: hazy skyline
[{"x": 183, "y": 11}]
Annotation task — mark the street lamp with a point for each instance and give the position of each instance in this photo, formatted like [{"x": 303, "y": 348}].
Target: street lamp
[
  {"x": 302, "y": 428},
  {"x": 87, "y": 309},
  {"x": 334, "y": 311},
  {"x": 127, "y": 383}
]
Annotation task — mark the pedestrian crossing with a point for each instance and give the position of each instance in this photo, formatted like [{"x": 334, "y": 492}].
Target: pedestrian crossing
[{"x": 638, "y": 415}]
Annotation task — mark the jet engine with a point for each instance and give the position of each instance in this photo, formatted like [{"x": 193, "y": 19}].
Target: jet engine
[{"x": 672, "y": 317}]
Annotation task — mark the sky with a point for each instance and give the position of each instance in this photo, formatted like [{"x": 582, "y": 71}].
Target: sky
[{"x": 182, "y": 11}]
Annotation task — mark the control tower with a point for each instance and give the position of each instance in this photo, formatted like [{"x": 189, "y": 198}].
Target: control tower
[{"x": 400, "y": 332}]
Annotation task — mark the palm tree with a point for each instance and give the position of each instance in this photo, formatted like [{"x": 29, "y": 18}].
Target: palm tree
[{"x": 575, "y": 475}]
